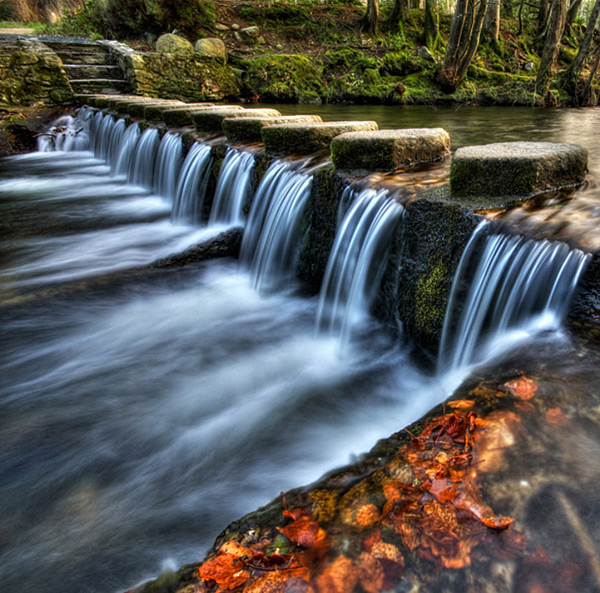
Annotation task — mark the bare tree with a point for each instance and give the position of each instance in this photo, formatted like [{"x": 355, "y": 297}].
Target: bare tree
[
  {"x": 462, "y": 42},
  {"x": 554, "y": 34}
]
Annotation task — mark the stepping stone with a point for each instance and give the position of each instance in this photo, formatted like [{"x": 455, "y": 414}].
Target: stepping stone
[
  {"x": 249, "y": 129},
  {"x": 304, "y": 138},
  {"x": 182, "y": 116},
  {"x": 91, "y": 99},
  {"x": 514, "y": 171},
  {"x": 138, "y": 109},
  {"x": 387, "y": 150},
  {"x": 153, "y": 112},
  {"x": 120, "y": 102},
  {"x": 211, "y": 122}
]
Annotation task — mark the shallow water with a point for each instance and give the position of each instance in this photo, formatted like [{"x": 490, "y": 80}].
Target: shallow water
[{"x": 142, "y": 410}]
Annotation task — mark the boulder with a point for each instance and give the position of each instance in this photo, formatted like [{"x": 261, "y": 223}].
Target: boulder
[
  {"x": 182, "y": 116},
  {"x": 212, "y": 48},
  {"x": 508, "y": 172},
  {"x": 387, "y": 150},
  {"x": 173, "y": 44},
  {"x": 304, "y": 138},
  {"x": 210, "y": 121},
  {"x": 424, "y": 53},
  {"x": 249, "y": 129},
  {"x": 250, "y": 33}
]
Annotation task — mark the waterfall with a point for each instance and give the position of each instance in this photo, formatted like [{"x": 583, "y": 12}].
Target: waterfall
[
  {"x": 129, "y": 140},
  {"x": 66, "y": 134},
  {"x": 357, "y": 260},
  {"x": 270, "y": 243},
  {"x": 115, "y": 140},
  {"x": 191, "y": 186},
  {"x": 506, "y": 288},
  {"x": 167, "y": 163},
  {"x": 141, "y": 167},
  {"x": 103, "y": 133},
  {"x": 233, "y": 188}
]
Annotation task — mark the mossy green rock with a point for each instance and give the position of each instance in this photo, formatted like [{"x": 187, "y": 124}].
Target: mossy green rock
[
  {"x": 182, "y": 116},
  {"x": 386, "y": 150},
  {"x": 153, "y": 112},
  {"x": 304, "y": 138},
  {"x": 210, "y": 121},
  {"x": 139, "y": 109},
  {"x": 499, "y": 174},
  {"x": 173, "y": 44},
  {"x": 211, "y": 47},
  {"x": 249, "y": 129}
]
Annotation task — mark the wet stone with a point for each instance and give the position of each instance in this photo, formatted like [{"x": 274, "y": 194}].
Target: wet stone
[
  {"x": 513, "y": 171},
  {"x": 211, "y": 121},
  {"x": 304, "y": 138},
  {"x": 182, "y": 116},
  {"x": 387, "y": 150},
  {"x": 249, "y": 129},
  {"x": 153, "y": 112},
  {"x": 139, "y": 109}
]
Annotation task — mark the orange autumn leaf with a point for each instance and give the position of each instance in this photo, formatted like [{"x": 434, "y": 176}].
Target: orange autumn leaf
[
  {"x": 277, "y": 581},
  {"x": 339, "y": 577},
  {"x": 367, "y": 515},
  {"x": 523, "y": 388},
  {"x": 555, "y": 416},
  {"x": 302, "y": 531},
  {"x": 227, "y": 571},
  {"x": 461, "y": 404},
  {"x": 370, "y": 573},
  {"x": 235, "y": 549},
  {"x": 524, "y": 406}
]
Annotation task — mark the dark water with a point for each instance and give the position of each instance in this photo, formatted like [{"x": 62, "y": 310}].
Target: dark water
[{"x": 141, "y": 411}]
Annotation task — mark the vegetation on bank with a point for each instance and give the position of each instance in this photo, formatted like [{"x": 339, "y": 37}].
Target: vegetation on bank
[{"x": 404, "y": 51}]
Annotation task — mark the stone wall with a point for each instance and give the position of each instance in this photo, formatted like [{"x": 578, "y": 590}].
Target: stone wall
[{"x": 31, "y": 73}]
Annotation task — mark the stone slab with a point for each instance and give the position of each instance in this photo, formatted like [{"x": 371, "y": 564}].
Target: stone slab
[
  {"x": 507, "y": 172},
  {"x": 387, "y": 150},
  {"x": 139, "y": 109},
  {"x": 298, "y": 138},
  {"x": 112, "y": 102},
  {"x": 249, "y": 129},
  {"x": 180, "y": 117},
  {"x": 153, "y": 112},
  {"x": 211, "y": 122}
]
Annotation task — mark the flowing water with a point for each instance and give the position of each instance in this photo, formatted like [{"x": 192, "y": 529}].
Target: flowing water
[{"x": 141, "y": 410}]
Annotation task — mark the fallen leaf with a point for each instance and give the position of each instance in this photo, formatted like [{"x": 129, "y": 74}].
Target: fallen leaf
[
  {"x": 339, "y": 577},
  {"x": 370, "y": 573},
  {"x": 555, "y": 416},
  {"x": 277, "y": 581},
  {"x": 461, "y": 404},
  {"x": 523, "y": 388},
  {"x": 302, "y": 531},
  {"x": 367, "y": 515},
  {"x": 225, "y": 570}
]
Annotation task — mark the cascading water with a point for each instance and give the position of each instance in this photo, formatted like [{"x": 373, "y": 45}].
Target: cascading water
[
  {"x": 358, "y": 259},
  {"x": 191, "y": 187},
  {"x": 129, "y": 141},
  {"x": 233, "y": 188},
  {"x": 167, "y": 164},
  {"x": 66, "y": 134},
  {"x": 141, "y": 167},
  {"x": 270, "y": 242},
  {"x": 518, "y": 288}
]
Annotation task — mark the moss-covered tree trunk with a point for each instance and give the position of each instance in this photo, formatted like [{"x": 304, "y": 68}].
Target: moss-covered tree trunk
[
  {"x": 583, "y": 55},
  {"x": 370, "y": 21},
  {"x": 432, "y": 24},
  {"x": 554, "y": 35},
  {"x": 542, "y": 17},
  {"x": 462, "y": 42},
  {"x": 492, "y": 23},
  {"x": 574, "y": 7},
  {"x": 399, "y": 14}
]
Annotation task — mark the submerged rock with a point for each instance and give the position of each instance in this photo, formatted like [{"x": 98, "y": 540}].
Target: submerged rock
[
  {"x": 507, "y": 172},
  {"x": 386, "y": 150}
]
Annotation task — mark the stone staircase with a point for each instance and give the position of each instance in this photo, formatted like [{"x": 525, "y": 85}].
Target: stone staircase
[{"x": 90, "y": 67}]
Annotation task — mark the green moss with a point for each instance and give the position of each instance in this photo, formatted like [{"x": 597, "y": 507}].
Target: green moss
[
  {"x": 430, "y": 301},
  {"x": 348, "y": 60},
  {"x": 403, "y": 63},
  {"x": 286, "y": 78}
]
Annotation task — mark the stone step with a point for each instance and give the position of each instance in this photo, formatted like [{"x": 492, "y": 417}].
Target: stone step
[
  {"x": 85, "y": 59},
  {"x": 100, "y": 85},
  {"x": 83, "y": 71},
  {"x": 210, "y": 121},
  {"x": 249, "y": 129}
]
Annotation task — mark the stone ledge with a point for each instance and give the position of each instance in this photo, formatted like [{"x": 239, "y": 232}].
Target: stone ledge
[
  {"x": 138, "y": 109},
  {"x": 387, "y": 150},
  {"x": 298, "y": 138},
  {"x": 153, "y": 112},
  {"x": 211, "y": 122},
  {"x": 507, "y": 172},
  {"x": 182, "y": 116},
  {"x": 249, "y": 129}
]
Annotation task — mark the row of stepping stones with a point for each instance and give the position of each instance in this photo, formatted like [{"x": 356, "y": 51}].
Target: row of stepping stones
[{"x": 510, "y": 171}]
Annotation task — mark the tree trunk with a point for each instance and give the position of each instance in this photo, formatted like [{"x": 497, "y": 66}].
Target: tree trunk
[
  {"x": 462, "y": 42},
  {"x": 551, "y": 46},
  {"x": 432, "y": 24},
  {"x": 371, "y": 19},
  {"x": 399, "y": 13},
  {"x": 542, "y": 15},
  {"x": 574, "y": 71},
  {"x": 572, "y": 14},
  {"x": 492, "y": 23},
  {"x": 588, "y": 93}
]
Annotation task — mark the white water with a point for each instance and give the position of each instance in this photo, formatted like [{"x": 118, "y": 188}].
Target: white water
[{"x": 506, "y": 289}]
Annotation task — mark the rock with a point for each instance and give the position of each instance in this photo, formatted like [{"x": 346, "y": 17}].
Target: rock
[
  {"x": 212, "y": 48},
  {"x": 173, "y": 44},
  {"x": 210, "y": 121},
  {"x": 249, "y": 129},
  {"x": 279, "y": 47},
  {"x": 139, "y": 109},
  {"x": 221, "y": 27},
  {"x": 507, "y": 172},
  {"x": 235, "y": 27},
  {"x": 251, "y": 33},
  {"x": 182, "y": 116},
  {"x": 387, "y": 150},
  {"x": 528, "y": 67},
  {"x": 238, "y": 37},
  {"x": 424, "y": 53},
  {"x": 304, "y": 138}
]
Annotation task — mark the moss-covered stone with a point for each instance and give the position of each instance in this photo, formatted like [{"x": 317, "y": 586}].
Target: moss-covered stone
[
  {"x": 138, "y": 109},
  {"x": 182, "y": 116},
  {"x": 210, "y": 121},
  {"x": 386, "y": 150},
  {"x": 173, "y": 44},
  {"x": 211, "y": 47},
  {"x": 153, "y": 112},
  {"x": 304, "y": 138},
  {"x": 503, "y": 173},
  {"x": 287, "y": 78},
  {"x": 249, "y": 129}
]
